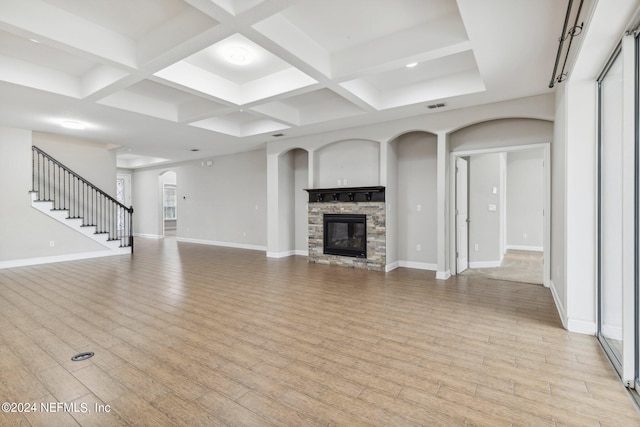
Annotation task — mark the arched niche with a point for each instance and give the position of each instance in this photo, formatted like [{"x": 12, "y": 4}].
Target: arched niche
[
  {"x": 412, "y": 194},
  {"x": 348, "y": 163},
  {"x": 293, "y": 179}
]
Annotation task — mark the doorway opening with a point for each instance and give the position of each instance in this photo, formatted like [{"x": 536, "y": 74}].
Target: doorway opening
[
  {"x": 169, "y": 203},
  {"x": 499, "y": 200}
]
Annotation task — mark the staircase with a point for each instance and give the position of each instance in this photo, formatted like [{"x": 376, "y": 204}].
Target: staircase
[{"x": 65, "y": 196}]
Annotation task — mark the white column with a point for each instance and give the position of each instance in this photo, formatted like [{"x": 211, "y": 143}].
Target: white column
[
  {"x": 442, "y": 182},
  {"x": 383, "y": 164},
  {"x": 273, "y": 237}
]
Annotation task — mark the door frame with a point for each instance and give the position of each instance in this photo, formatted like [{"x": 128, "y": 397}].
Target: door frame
[
  {"x": 546, "y": 223},
  {"x": 459, "y": 238}
]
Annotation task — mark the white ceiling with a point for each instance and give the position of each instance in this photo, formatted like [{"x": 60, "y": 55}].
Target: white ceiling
[{"x": 153, "y": 76}]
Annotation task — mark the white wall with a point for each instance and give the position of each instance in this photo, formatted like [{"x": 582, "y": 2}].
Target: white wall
[
  {"x": 485, "y": 172},
  {"x": 525, "y": 199},
  {"x": 25, "y": 233},
  {"x": 224, "y": 203},
  {"x": 93, "y": 161},
  {"x": 417, "y": 163},
  {"x": 558, "y": 203},
  {"x": 356, "y": 161},
  {"x": 145, "y": 200}
]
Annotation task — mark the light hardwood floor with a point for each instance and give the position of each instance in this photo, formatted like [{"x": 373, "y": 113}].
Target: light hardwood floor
[{"x": 187, "y": 334}]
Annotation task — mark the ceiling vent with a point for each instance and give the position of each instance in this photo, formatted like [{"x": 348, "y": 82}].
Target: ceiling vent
[{"x": 432, "y": 106}]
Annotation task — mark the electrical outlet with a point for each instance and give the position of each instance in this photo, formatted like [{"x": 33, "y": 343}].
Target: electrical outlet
[
  {"x": 339, "y": 182},
  {"x": 52, "y": 243},
  {"x": 344, "y": 181},
  {"x": 524, "y": 235},
  {"x": 419, "y": 248},
  {"x": 475, "y": 247},
  {"x": 419, "y": 208}
]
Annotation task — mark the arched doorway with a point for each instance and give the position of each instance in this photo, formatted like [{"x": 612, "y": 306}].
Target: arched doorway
[{"x": 168, "y": 206}]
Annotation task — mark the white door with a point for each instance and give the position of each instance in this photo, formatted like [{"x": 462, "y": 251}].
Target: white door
[{"x": 462, "y": 216}]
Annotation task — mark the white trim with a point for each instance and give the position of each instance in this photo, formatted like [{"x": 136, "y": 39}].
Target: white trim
[
  {"x": 392, "y": 266},
  {"x": 224, "y": 244},
  {"x": 443, "y": 275},
  {"x": 148, "y": 236},
  {"x": 484, "y": 264},
  {"x": 61, "y": 258},
  {"x": 581, "y": 326},
  {"x": 418, "y": 265},
  {"x": 282, "y": 254},
  {"x": 285, "y": 254},
  {"x": 559, "y": 307},
  {"x": 509, "y": 148},
  {"x": 525, "y": 248}
]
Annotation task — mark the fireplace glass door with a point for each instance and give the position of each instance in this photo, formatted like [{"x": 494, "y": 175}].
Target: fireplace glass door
[{"x": 345, "y": 235}]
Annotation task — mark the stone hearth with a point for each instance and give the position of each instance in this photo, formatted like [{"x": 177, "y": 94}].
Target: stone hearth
[{"x": 376, "y": 233}]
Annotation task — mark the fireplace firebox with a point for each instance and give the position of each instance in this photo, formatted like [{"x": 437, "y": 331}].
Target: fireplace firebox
[{"x": 345, "y": 235}]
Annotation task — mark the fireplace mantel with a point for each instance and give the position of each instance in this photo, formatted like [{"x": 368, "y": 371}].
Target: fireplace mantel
[{"x": 346, "y": 194}]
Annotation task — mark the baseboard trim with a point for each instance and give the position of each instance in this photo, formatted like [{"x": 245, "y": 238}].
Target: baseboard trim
[
  {"x": 418, "y": 265},
  {"x": 525, "y": 248},
  {"x": 443, "y": 275},
  {"x": 484, "y": 264},
  {"x": 223, "y": 244},
  {"x": 559, "y": 306},
  {"x": 283, "y": 254},
  {"x": 581, "y": 327},
  {"x": 392, "y": 266},
  {"x": 24, "y": 262},
  {"x": 148, "y": 236}
]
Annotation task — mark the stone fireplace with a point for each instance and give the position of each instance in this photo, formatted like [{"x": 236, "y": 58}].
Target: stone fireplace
[
  {"x": 347, "y": 227},
  {"x": 345, "y": 235}
]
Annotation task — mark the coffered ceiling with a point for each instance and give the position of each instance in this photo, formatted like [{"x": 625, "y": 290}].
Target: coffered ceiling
[{"x": 159, "y": 78}]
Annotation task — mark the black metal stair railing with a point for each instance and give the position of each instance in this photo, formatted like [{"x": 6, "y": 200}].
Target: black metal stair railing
[{"x": 54, "y": 182}]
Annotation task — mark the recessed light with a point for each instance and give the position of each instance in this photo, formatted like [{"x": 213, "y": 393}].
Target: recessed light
[
  {"x": 70, "y": 124},
  {"x": 238, "y": 55},
  {"x": 411, "y": 65},
  {"x": 195, "y": 149},
  {"x": 278, "y": 135}
]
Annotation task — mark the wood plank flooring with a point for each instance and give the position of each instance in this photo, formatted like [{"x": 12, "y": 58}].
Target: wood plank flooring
[{"x": 187, "y": 334}]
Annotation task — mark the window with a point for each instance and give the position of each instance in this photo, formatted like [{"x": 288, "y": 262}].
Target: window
[{"x": 170, "y": 202}]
